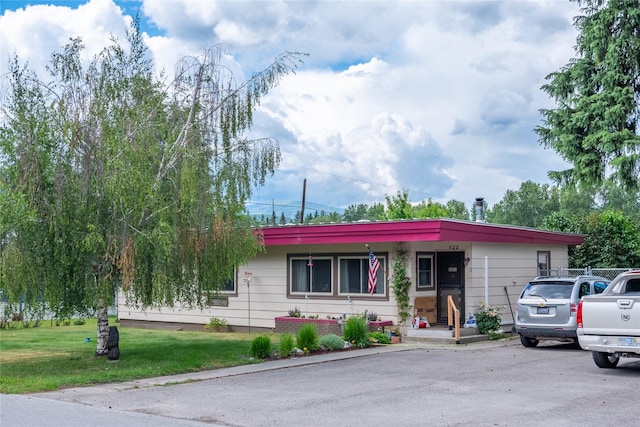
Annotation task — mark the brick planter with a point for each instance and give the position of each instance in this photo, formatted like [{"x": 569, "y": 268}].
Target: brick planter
[{"x": 291, "y": 325}]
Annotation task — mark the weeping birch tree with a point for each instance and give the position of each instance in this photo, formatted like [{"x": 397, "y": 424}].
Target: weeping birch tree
[{"x": 125, "y": 181}]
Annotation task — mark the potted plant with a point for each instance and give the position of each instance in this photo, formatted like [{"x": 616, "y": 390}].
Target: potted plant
[
  {"x": 294, "y": 312},
  {"x": 395, "y": 336},
  {"x": 217, "y": 325}
]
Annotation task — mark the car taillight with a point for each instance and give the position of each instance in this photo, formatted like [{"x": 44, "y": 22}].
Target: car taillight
[
  {"x": 579, "y": 314},
  {"x": 574, "y": 309}
]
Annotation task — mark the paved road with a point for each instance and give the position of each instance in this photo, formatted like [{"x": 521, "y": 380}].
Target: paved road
[{"x": 482, "y": 384}]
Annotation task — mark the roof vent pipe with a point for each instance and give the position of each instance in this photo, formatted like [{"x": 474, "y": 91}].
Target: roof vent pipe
[{"x": 480, "y": 209}]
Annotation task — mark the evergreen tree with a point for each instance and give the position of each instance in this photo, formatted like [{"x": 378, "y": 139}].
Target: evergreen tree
[{"x": 596, "y": 123}]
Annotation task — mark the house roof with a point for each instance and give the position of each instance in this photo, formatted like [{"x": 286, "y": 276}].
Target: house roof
[{"x": 424, "y": 230}]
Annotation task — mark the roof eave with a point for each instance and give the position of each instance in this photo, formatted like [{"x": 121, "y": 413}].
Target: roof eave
[{"x": 412, "y": 231}]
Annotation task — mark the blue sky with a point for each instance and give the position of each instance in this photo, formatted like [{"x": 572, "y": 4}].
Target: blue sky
[{"x": 436, "y": 97}]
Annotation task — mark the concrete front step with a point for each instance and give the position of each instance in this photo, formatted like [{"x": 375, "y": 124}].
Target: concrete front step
[{"x": 442, "y": 335}]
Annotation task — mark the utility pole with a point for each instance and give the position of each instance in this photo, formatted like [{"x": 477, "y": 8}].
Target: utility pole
[{"x": 304, "y": 192}]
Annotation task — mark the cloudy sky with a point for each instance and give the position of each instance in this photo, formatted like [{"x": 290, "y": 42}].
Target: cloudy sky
[{"x": 436, "y": 97}]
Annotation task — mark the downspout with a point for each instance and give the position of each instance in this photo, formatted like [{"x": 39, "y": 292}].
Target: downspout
[{"x": 486, "y": 280}]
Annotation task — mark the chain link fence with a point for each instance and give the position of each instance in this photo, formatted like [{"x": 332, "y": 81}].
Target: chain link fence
[{"x": 607, "y": 273}]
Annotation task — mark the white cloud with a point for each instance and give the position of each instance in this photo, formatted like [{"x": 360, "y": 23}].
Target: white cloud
[
  {"x": 440, "y": 98},
  {"x": 35, "y": 32}
]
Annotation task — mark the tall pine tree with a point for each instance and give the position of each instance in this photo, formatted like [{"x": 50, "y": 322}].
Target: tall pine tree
[{"x": 596, "y": 123}]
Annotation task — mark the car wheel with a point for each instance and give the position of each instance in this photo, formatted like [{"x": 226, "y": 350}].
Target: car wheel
[
  {"x": 528, "y": 342},
  {"x": 605, "y": 360}
]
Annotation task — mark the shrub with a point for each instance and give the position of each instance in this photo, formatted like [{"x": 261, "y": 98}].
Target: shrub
[
  {"x": 488, "y": 321},
  {"x": 379, "y": 338},
  {"x": 286, "y": 345},
  {"x": 331, "y": 342},
  {"x": 307, "y": 337},
  {"x": 294, "y": 312},
  {"x": 356, "y": 332},
  {"x": 261, "y": 347},
  {"x": 216, "y": 324}
]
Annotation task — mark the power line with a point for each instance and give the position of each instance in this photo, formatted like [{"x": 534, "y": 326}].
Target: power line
[{"x": 359, "y": 180}]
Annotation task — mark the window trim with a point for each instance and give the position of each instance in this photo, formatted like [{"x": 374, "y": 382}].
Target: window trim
[
  {"x": 382, "y": 259},
  {"x": 335, "y": 293},
  {"x": 547, "y": 255},
  {"x": 234, "y": 280},
  {"x": 221, "y": 297},
  {"x": 432, "y": 286},
  {"x": 307, "y": 258}
]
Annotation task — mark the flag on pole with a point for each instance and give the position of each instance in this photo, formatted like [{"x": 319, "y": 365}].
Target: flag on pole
[{"x": 374, "y": 265}]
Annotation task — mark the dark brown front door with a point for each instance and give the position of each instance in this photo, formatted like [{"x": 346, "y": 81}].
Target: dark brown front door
[{"x": 450, "y": 280}]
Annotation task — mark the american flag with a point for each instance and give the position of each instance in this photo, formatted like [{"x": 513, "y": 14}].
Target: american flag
[{"x": 374, "y": 265}]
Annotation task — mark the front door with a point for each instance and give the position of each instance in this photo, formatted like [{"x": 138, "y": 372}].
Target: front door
[{"x": 450, "y": 280}]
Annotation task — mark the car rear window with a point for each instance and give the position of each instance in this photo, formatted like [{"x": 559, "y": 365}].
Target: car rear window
[
  {"x": 548, "y": 290},
  {"x": 633, "y": 286}
]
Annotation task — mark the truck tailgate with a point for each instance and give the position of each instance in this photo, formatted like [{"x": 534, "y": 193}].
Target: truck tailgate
[{"x": 611, "y": 315}]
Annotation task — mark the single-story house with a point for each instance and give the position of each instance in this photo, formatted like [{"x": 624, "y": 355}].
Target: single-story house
[{"x": 322, "y": 270}]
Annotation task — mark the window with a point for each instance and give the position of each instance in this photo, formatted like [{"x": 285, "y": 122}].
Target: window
[
  {"x": 633, "y": 286},
  {"x": 228, "y": 286},
  {"x": 544, "y": 263},
  {"x": 354, "y": 275},
  {"x": 599, "y": 287},
  {"x": 548, "y": 290},
  {"x": 329, "y": 275},
  {"x": 424, "y": 265},
  {"x": 220, "y": 298},
  {"x": 311, "y": 275},
  {"x": 584, "y": 289}
]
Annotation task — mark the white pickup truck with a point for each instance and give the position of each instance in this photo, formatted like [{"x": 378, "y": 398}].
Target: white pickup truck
[{"x": 609, "y": 323}]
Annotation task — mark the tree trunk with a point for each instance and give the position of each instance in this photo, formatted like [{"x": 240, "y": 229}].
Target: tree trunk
[{"x": 103, "y": 328}]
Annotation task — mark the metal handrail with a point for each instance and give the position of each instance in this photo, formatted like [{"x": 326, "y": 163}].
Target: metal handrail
[{"x": 452, "y": 309}]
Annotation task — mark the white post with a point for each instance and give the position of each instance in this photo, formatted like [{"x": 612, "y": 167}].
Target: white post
[
  {"x": 247, "y": 280},
  {"x": 306, "y": 304},
  {"x": 486, "y": 280}
]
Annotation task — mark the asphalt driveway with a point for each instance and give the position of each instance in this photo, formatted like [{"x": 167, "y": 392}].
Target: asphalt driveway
[{"x": 481, "y": 384}]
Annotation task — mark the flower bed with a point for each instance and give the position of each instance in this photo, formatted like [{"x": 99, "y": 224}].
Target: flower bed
[
  {"x": 291, "y": 325},
  {"x": 374, "y": 326}
]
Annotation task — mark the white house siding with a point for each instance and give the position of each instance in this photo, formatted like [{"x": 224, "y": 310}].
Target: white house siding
[
  {"x": 510, "y": 266},
  {"x": 419, "y": 247},
  {"x": 253, "y": 306},
  {"x": 323, "y": 307},
  {"x": 266, "y": 296},
  {"x": 257, "y": 305}
]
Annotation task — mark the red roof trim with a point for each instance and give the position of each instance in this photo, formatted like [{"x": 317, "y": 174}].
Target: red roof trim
[{"x": 428, "y": 230}]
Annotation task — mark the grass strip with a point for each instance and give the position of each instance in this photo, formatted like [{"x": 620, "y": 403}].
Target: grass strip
[{"x": 53, "y": 357}]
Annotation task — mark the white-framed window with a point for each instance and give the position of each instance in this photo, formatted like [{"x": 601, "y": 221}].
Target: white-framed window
[
  {"x": 354, "y": 275},
  {"x": 424, "y": 273},
  {"x": 311, "y": 275}
]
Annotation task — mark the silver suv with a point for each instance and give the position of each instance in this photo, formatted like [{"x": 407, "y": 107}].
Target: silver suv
[{"x": 547, "y": 307}]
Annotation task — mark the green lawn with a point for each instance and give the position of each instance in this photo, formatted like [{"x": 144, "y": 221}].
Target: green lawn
[{"x": 53, "y": 357}]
